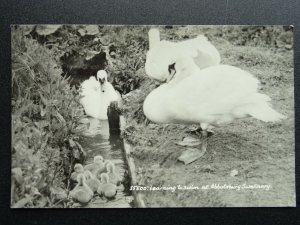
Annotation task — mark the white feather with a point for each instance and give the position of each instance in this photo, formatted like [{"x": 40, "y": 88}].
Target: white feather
[
  {"x": 94, "y": 101},
  {"x": 215, "y": 95},
  {"x": 164, "y": 53}
]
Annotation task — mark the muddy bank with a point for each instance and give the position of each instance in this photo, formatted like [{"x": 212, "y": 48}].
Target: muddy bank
[{"x": 244, "y": 153}]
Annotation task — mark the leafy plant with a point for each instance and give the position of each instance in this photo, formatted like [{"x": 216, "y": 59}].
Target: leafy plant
[{"x": 45, "y": 113}]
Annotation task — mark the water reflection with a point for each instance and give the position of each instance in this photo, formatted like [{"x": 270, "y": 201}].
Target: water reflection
[{"x": 97, "y": 140}]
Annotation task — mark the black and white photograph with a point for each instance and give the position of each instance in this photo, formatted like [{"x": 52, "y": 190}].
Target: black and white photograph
[{"x": 152, "y": 116}]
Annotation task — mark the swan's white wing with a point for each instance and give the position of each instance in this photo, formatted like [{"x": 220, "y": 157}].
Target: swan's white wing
[
  {"x": 89, "y": 86},
  {"x": 216, "y": 90},
  {"x": 165, "y": 53},
  {"x": 92, "y": 100},
  {"x": 201, "y": 50},
  {"x": 113, "y": 96}
]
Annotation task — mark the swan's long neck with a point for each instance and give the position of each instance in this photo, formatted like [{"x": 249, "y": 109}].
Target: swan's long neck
[
  {"x": 155, "y": 107},
  {"x": 154, "y": 38}
]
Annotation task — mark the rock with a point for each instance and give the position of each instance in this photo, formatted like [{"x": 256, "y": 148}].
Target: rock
[
  {"x": 113, "y": 114},
  {"x": 190, "y": 155}
]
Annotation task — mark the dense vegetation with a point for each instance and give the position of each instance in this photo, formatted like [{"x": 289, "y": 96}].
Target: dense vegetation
[
  {"x": 45, "y": 115},
  {"x": 48, "y": 63}
]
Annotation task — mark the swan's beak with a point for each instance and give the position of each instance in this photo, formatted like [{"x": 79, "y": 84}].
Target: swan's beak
[
  {"x": 172, "y": 73},
  {"x": 102, "y": 84},
  {"x": 171, "y": 67},
  {"x": 102, "y": 80}
]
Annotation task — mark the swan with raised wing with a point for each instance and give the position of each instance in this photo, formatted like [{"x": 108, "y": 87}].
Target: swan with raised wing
[{"x": 162, "y": 54}]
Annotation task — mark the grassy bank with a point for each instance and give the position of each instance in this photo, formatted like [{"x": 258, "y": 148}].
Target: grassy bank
[{"x": 261, "y": 153}]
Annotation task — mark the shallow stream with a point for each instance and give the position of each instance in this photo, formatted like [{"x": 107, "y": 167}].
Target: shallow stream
[{"x": 98, "y": 140}]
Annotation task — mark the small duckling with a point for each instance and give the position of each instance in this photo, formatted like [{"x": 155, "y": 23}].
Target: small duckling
[
  {"x": 103, "y": 170},
  {"x": 96, "y": 165},
  {"x": 91, "y": 181},
  {"x": 78, "y": 169},
  {"x": 105, "y": 165},
  {"x": 107, "y": 189},
  {"x": 114, "y": 178},
  {"x": 81, "y": 193}
]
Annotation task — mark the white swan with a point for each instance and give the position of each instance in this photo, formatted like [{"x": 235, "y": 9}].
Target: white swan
[
  {"x": 213, "y": 96},
  {"x": 91, "y": 181},
  {"x": 106, "y": 188},
  {"x": 82, "y": 193},
  {"x": 162, "y": 54},
  {"x": 97, "y": 95},
  {"x": 78, "y": 169}
]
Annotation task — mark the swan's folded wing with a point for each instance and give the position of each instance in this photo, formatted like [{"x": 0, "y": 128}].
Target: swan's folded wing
[
  {"x": 201, "y": 50},
  {"x": 89, "y": 86},
  {"x": 215, "y": 90}
]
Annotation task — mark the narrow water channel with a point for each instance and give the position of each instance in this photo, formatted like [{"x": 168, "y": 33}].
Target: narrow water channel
[{"x": 97, "y": 140}]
